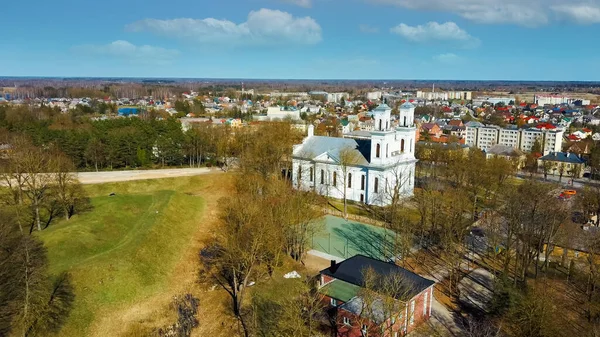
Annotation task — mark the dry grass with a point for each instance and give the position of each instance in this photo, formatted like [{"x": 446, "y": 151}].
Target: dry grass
[{"x": 154, "y": 260}]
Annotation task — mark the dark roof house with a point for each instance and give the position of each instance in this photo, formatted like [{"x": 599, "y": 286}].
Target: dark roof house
[
  {"x": 351, "y": 271},
  {"x": 563, "y": 157}
]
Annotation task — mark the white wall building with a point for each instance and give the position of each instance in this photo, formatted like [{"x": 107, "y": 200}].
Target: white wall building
[
  {"x": 336, "y": 97},
  {"x": 384, "y": 165},
  {"x": 493, "y": 100},
  {"x": 288, "y": 94},
  {"x": 432, "y": 96},
  {"x": 557, "y": 99},
  {"x": 484, "y": 137},
  {"x": 444, "y": 95},
  {"x": 374, "y": 95},
  {"x": 279, "y": 113}
]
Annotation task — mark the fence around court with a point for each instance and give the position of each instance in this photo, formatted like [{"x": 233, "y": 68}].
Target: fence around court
[
  {"x": 345, "y": 238},
  {"x": 354, "y": 217}
]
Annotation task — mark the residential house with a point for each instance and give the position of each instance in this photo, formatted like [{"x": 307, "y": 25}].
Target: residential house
[
  {"x": 580, "y": 148},
  {"x": 380, "y": 312},
  {"x": 507, "y": 152},
  {"x": 456, "y": 122},
  {"x": 453, "y": 130},
  {"x": 562, "y": 164},
  {"x": 431, "y": 129}
]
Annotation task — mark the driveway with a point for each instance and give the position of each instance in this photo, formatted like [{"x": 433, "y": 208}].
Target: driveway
[{"x": 476, "y": 289}]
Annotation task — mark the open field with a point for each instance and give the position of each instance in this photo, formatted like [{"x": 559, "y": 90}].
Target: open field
[{"x": 134, "y": 251}]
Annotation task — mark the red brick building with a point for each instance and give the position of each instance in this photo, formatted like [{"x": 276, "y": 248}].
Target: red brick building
[{"x": 397, "y": 302}]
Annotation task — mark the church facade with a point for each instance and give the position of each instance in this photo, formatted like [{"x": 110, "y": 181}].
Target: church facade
[{"x": 372, "y": 167}]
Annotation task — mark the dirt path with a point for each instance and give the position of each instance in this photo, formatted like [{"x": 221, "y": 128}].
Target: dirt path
[{"x": 115, "y": 176}]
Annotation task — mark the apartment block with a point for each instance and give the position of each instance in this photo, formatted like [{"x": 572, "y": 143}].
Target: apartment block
[{"x": 485, "y": 136}]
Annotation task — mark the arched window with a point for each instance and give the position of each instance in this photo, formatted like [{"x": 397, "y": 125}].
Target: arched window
[
  {"x": 405, "y": 121},
  {"x": 387, "y": 150},
  {"x": 411, "y": 145},
  {"x": 387, "y": 125},
  {"x": 380, "y": 124},
  {"x": 299, "y": 173},
  {"x": 362, "y": 183},
  {"x": 402, "y": 145},
  {"x": 376, "y": 185},
  {"x": 322, "y": 177},
  {"x": 334, "y": 179},
  {"x": 349, "y": 180},
  {"x": 312, "y": 174},
  {"x": 377, "y": 150}
]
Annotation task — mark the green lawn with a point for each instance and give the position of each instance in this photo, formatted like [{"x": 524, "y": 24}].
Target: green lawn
[
  {"x": 124, "y": 249},
  {"x": 345, "y": 239}
]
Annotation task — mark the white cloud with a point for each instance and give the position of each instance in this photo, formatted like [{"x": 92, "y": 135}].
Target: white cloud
[
  {"x": 433, "y": 31},
  {"x": 263, "y": 27},
  {"x": 301, "y": 3},
  {"x": 448, "y": 58},
  {"x": 126, "y": 50},
  {"x": 582, "y": 13},
  {"x": 368, "y": 29},
  {"x": 521, "y": 12}
]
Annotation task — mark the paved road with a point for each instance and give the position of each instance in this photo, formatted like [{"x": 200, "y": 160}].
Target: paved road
[
  {"x": 115, "y": 176},
  {"x": 476, "y": 289},
  {"x": 578, "y": 183}
]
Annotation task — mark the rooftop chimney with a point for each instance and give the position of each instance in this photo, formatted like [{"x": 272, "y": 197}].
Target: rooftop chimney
[{"x": 333, "y": 266}]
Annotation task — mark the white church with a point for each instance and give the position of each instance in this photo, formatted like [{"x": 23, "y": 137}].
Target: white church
[{"x": 382, "y": 165}]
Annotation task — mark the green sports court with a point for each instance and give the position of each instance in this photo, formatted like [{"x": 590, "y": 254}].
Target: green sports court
[{"x": 345, "y": 238}]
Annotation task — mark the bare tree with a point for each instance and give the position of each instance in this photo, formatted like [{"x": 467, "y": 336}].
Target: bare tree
[
  {"x": 66, "y": 187},
  {"x": 36, "y": 163},
  {"x": 348, "y": 158},
  {"x": 236, "y": 256}
]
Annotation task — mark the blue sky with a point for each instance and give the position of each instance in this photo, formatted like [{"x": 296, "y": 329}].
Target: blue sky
[{"x": 303, "y": 39}]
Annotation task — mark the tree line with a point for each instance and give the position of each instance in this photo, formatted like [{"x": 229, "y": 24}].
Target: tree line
[
  {"x": 37, "y": 186},
  {"x": 265, "y": 222},
  {"x": 148, "y": 141}
]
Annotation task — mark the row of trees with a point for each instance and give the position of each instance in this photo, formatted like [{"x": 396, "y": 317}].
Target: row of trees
[
  {"x": 37, "y": 186},
  {"x": 115, "y": 143},
  {"x": 265, "y": 222}
]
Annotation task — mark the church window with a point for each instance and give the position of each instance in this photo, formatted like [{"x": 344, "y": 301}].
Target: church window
[
  {"x": 362, "y": 183},
  {"x": 312, "y": 173},
  {"x": 322, "y": 177},
  {"x": 402, "y": 145},
  {"x": 387, "y": 150},
  {"x": 376, "y": 185},
  {"x": 405, "y": 121},
  {"x": 377, "y": 150},
  {"x": 334, "y": 179},
  {"x": 387, "y": 125},
  {"x": 380, "y": 124},
  {"x": 299, "y": 173},
  {"x": 349, "y": 180},
  {"x": 411, "y": 145}
]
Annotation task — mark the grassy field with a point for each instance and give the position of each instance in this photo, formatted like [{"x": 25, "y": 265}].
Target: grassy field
[{"x": 132, "y": 252}]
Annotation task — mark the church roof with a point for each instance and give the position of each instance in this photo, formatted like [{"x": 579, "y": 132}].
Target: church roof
[
  {"x": 318, "y": 145},
  {"x": 382, "y": 107}
]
